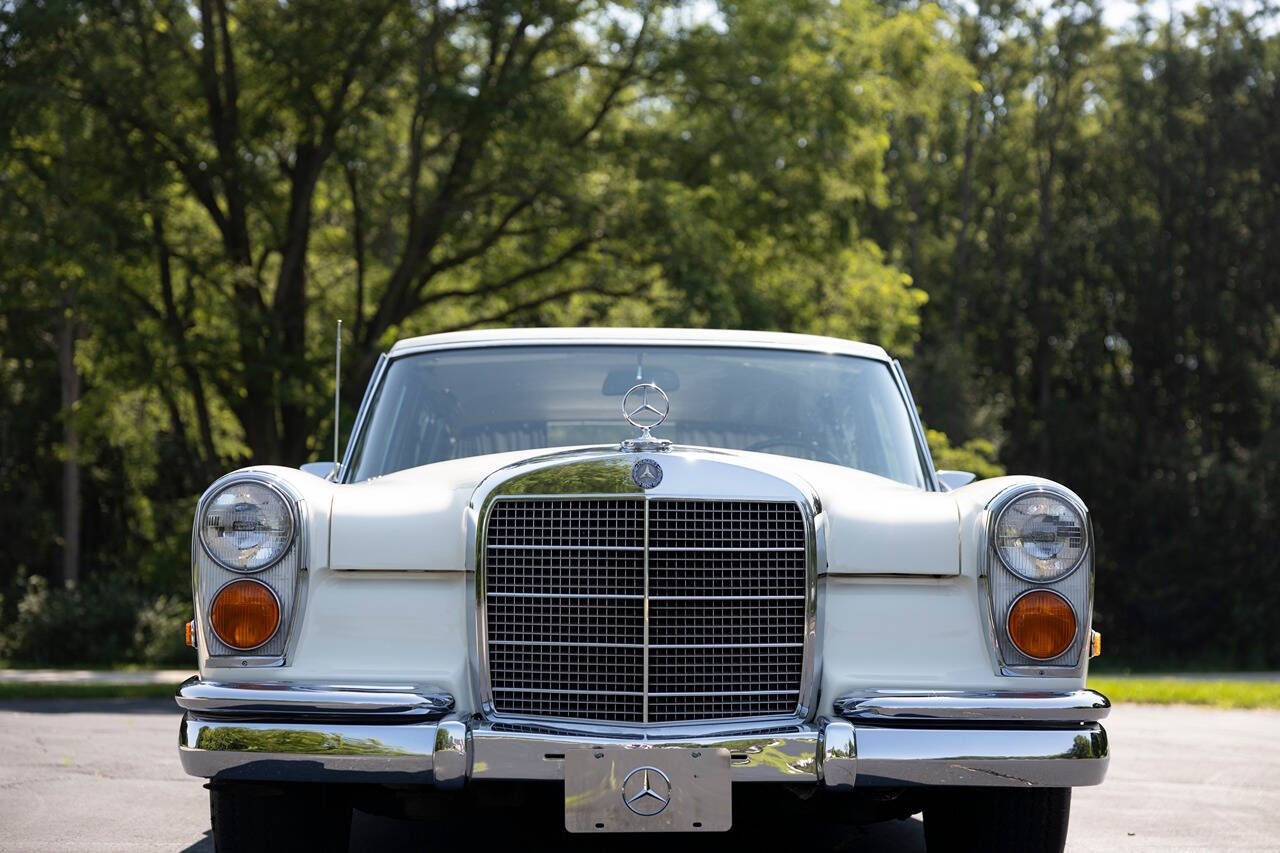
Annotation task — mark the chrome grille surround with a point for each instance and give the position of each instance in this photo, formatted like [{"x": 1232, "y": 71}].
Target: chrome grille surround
[{"x": 730, "y": 612}]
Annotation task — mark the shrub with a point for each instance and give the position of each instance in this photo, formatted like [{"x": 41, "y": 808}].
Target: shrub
[
  {"x": 158, "y": 637},
  {"x": 976, "y": 455},
  {"x": 98, "y": 622}
]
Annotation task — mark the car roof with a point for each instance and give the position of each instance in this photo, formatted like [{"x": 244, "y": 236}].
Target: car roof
[{"x": 655, "y": 337}]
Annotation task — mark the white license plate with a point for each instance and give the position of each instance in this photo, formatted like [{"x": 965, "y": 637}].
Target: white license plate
[{"x": 647, "y": 790}]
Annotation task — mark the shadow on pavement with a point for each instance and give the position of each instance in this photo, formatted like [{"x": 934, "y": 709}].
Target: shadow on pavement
[
  {"x": 370, "y": 833},
  {"x": 204, "y": 845}
]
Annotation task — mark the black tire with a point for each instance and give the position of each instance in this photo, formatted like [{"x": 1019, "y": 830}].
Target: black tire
[
  {"x": 258, "y": 818},
  {"x": 998, "y": 819}
]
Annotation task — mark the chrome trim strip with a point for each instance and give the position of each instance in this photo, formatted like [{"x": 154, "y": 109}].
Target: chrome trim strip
[
  {"x": 588, "y": 596},
  {"x": 564, "y": 691},
  {"x": 957, "y": 706},
  {"x": 293, "y": 699},
  {"x": 630, "y": 548},
  {"x": 644, "y": 636}
]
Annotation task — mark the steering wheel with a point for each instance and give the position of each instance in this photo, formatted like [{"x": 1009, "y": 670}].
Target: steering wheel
[{"x": 813, "y": 448}]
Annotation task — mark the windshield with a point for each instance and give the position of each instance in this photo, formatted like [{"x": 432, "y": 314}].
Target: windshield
[{"x": 455, "y": 403}]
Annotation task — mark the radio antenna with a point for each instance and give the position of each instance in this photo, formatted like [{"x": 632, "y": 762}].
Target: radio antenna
[{"x": 337, "y": 411}]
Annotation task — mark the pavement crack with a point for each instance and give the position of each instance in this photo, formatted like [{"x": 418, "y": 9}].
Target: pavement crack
[{"x": 995, "y": 773}]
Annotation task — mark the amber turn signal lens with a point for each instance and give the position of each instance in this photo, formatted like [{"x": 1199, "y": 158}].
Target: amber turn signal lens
[
  {"x": 1041, "y": 624},
  {"x": 191, "y": 634},
  {"x": 245, "y": 614}
]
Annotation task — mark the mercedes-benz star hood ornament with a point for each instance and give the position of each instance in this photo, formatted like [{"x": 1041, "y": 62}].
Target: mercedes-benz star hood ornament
[{"x": 645, "y": 406}]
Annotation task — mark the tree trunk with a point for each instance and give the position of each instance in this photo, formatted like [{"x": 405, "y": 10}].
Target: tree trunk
[{"x": 70, "y": 380}]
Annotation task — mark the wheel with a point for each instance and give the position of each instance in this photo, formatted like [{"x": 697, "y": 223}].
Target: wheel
[
  {"x": 997, "y": 819},
  {"x": 259, "y": 818}
]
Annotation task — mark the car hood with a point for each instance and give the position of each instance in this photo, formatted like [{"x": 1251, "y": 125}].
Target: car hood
[{"x": 416, "y": 520}]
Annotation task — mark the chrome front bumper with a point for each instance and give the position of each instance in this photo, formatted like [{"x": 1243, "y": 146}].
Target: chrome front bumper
[{"x": 410, "y": 735}]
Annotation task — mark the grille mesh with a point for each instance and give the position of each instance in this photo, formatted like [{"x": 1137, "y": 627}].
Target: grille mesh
[{"x": 565, "y": 604}]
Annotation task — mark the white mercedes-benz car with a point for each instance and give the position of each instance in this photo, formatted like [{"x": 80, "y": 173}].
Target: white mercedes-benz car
[{"x": 655, "y": 573}]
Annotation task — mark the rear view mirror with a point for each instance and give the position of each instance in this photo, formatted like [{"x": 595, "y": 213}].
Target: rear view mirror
[
  {"x": 622, "y": 379},
  {"x": 952, "y": 480}
]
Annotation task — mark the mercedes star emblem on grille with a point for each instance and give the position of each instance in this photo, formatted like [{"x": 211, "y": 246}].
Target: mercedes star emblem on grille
[
  {"x": 646, "y": 473},
  {"x": 646, "y": 791}
]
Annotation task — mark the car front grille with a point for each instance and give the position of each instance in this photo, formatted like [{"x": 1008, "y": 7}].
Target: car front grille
[{"x": 567, "y": 581}]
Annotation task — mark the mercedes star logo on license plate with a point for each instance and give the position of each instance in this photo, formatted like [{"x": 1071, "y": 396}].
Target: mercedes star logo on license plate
[{"x": 646, "y": 791}]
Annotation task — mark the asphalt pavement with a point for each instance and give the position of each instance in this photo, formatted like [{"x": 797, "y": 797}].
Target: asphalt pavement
[{"x": 103, "y": 775}]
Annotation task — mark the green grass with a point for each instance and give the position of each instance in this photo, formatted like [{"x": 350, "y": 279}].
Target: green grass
[
  {"x": 1175, "y": 691},
  {"x": 86, "y": 691}
]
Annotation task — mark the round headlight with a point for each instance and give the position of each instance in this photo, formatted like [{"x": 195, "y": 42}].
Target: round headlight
[
  {"x": 1040, "y": 537},
  {"x": 246, "y": 526}
]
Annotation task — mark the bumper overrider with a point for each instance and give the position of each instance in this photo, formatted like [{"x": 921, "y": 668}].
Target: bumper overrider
[{"x": 413, "y": 735}]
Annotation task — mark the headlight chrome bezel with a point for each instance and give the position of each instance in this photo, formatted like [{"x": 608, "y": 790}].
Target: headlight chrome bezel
[
  {"x": 1067, "y": 500},
  {"x": 279, "y": 494},
  {"x": 1004, "y": 587}
]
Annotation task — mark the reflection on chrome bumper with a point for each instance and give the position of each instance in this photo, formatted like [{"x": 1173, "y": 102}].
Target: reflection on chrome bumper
[
  {"x": 375, "y": 739},
  {"x": 952, "y": 706}
]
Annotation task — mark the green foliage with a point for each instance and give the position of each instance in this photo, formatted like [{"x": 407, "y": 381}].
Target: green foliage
[
  {"x": 158, "y": 636},
  {"x": 1065, "y": 232},
  {"x": 93, "y": 624},
  {"x": 977, "y": 455},
  {"x": 1090, "y": 224}
]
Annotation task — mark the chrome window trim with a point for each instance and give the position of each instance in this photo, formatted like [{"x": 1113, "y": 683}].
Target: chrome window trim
[
  {"x": 990, "y": 561},
  {"x": 301, "y": 541},
  {"x": 895, "y": 371},
  {"x": 922, "y": 440},
  {"x": 362, "y": 414},
  {"x": 1075, "y": 505},
  {"x": 494, "y": 489}
]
